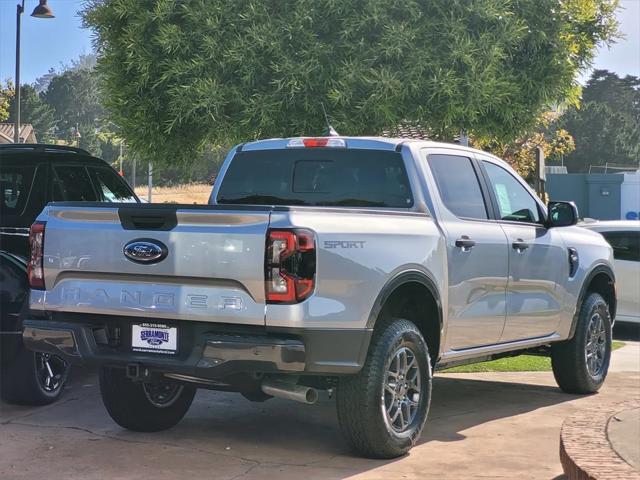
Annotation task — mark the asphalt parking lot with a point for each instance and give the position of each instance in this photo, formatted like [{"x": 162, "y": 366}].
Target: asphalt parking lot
[{"x": 483, "y": 425}]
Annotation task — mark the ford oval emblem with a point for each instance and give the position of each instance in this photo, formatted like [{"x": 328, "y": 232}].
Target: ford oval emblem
[{"x": 145, "y": 250}]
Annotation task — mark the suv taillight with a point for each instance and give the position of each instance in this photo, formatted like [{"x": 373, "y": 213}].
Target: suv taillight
[
  {"x": 35, "y": 268},
  {"x": 290, "y": 265}
]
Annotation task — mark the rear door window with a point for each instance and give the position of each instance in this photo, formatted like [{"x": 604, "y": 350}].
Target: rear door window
[
  {"x": 458, "y": 186},
  {"x": 348, "y": 178},
  {"x": 15, "y": 185},
  {"x": 72, "y": 183},
  {"x": 626, "y": 245},
  {"x": 111, "y": 187}
]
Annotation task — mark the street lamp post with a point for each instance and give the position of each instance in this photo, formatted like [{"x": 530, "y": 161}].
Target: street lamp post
[{"x": 41, "y": 11}]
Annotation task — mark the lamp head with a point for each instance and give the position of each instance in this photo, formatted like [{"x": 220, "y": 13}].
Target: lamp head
[{"x": 42, "y": 10}]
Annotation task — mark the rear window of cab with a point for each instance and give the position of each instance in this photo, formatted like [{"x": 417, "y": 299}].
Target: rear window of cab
[{"x": 317, "y": 177}]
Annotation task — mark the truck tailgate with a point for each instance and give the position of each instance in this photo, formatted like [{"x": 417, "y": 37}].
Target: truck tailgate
[{"x": 213, "y": 270}]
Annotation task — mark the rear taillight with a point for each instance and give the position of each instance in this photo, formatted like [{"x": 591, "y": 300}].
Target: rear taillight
[
  {"x": 290, "y": 265},
  {"x": 35, "y": 268}
]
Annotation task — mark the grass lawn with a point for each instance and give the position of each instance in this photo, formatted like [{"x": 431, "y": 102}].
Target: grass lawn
[{"x": 522, "y": 363}]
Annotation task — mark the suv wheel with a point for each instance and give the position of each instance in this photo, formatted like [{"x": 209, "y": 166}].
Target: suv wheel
[
  {"x": 33, "y": 378},
  {"x": 383, "y": 408},
  {"x": 580, "y": 365},
  {"x": 144, "y": 406}
]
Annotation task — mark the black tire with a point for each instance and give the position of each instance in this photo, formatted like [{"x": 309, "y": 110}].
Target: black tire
[
  {"x": 130, "y": 406},
  {"x": 571, "y": 369},
  {"x": 23, "y": 381},
  {"x": 362, "y": 399}
]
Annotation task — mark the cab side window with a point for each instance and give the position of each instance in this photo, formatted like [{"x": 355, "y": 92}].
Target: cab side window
[
  {"x": 458, "y": 186},
  {"x": 515, "y": 203}
]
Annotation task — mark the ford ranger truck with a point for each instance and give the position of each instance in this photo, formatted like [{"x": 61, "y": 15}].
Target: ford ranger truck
[{"x": 354, "y": 265}]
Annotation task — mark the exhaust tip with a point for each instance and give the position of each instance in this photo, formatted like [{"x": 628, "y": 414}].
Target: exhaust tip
[
  {"x": 312, "y": 395},
  {"x": 290, "y": 391}
]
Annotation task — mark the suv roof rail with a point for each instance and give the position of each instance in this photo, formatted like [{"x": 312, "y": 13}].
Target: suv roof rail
[{"x": 41, "y": 147}]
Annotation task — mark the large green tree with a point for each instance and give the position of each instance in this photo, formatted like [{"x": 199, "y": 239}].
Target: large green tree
[
  {"x": 75, "y": 99},
  {"x": 606, "y": 126},
  {"x": 35, "y": 111},
  {"x": 179, "y": 75}
]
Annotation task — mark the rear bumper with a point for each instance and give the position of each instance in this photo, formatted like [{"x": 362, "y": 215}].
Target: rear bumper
[{"x": 205, "y": 350}]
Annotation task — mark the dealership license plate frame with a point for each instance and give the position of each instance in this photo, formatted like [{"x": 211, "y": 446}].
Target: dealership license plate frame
[{"x": 146, "y": 337}]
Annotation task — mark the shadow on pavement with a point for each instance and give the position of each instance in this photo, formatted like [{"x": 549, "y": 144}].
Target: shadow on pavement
[
  {"x": 626, "y": 331},
  {"x": 460, "y": 403},
  {"x": 306, "y": 432},
  {"x": 277, "y": 433}
]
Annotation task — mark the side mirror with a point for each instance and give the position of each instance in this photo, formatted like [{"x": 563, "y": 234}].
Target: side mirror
[{"x": 562, "y": 214}]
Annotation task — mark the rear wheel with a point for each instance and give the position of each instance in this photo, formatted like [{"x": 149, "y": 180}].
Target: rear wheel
[
  {"x": 580, "y": 365},
  {"x": 33, "y": 378},
  {"x": 144, "y": 406},
  {"x": 382, "y": 409}
]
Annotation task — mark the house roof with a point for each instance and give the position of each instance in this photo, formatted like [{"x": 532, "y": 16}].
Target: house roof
[{"x": 26, "y": 130}]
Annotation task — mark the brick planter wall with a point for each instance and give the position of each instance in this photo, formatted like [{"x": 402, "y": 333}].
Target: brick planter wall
[{"x": 585, "y": 451}]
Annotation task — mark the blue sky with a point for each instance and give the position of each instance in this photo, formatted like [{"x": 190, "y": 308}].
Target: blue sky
[{"x": 50, "y": 43}]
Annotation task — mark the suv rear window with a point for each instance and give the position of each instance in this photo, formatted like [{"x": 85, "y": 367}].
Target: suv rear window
[{"x": 322, "y": 177}]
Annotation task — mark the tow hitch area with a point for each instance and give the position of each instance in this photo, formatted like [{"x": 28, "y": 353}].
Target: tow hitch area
[{"x": 136, "y": 371}]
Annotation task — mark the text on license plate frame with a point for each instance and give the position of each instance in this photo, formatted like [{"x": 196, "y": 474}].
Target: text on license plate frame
[{"x": 151, "y": 337}]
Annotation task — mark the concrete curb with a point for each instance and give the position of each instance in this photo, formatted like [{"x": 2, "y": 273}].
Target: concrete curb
[{"x": 585, "y": 450}]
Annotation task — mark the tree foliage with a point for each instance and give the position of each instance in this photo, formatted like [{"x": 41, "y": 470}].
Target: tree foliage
[
  {"x": 35, "y": 111},
  {"x": 179, "y": 75},
  {"x": 545, "y": 134},
  {"x": 6, "y": 94},
  {"x": 606, "y": 127},
  {"x": 7, "y": 91},
  {"x": 75, "y": 99}
]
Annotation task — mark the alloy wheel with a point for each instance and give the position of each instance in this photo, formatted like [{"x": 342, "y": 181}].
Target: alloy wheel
[
  {"x": 51, "y": 371},
  {"x": 402, "y": 389},
  {"x": 162, "y": 394},
  {"x": 595, "y": 347}
]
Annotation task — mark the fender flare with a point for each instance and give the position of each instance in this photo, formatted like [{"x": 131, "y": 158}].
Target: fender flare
[
  {"x": 600, "y": 268},
  {"x": 406, "y": 276}
]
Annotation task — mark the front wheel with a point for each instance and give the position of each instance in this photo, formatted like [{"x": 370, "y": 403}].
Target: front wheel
[
  {"x": 144, "y": 406},
  {"x": 580, "y": 365},
  {"x": 383, "y": 408}
]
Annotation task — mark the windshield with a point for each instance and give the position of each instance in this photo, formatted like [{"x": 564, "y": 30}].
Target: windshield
[{"x": 317, "y": 177}]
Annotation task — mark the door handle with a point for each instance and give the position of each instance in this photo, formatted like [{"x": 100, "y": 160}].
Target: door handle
[
  {"x": 465, "y": 243},
  {"x": 520, "y": 245}
]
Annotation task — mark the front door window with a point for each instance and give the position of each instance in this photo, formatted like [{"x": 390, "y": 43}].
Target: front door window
[{"x": 515, "y": 203}]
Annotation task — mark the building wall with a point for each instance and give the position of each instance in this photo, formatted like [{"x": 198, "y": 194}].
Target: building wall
[{"x": 596, "y": 195}]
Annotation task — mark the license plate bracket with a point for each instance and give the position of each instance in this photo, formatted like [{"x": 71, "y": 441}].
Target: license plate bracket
[{"x": 150, "y": 337}]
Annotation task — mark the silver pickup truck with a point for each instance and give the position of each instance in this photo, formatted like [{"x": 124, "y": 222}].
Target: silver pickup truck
[{"x": 354, "y": 265}]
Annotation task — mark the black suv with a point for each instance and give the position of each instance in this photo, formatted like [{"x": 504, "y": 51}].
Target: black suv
[{"x": 30, "y": 177}]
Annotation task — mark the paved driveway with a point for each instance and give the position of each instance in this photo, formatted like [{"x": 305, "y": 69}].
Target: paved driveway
[{"x": 490, "y": 425}]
